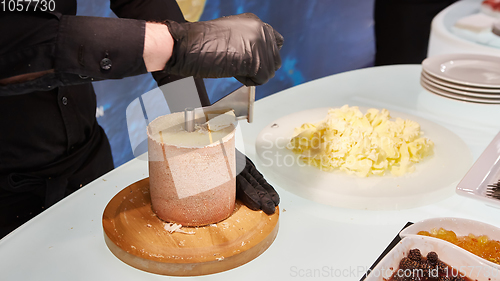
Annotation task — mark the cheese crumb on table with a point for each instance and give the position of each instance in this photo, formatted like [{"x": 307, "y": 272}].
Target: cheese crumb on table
[
  {"x": 174, "y": 227},
  {"x": 361, "y": 144}
]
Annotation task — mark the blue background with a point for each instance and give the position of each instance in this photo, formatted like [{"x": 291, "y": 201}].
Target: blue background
[{"x": 322, "y": 37}]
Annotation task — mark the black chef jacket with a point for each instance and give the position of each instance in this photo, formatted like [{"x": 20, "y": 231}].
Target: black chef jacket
[{"x": 50, "y": 141}]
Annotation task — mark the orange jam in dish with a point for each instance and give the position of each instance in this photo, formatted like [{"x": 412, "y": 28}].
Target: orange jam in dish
[{"x": 479, "y": 245}]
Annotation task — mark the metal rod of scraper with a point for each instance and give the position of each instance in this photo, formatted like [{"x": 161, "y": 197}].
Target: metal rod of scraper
[{"x": 189, "y": 119}]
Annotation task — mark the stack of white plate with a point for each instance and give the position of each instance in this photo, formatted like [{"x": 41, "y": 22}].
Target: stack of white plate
[{"x": 464, "y": 77}]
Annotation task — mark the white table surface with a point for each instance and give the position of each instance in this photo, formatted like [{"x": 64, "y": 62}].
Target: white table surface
[
  {"x": 66, "y": 241},
  {"x": 443, "y": 41}
]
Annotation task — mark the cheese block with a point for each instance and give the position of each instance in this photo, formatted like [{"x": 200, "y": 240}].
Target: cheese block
[{"x": 192, "y": 174}]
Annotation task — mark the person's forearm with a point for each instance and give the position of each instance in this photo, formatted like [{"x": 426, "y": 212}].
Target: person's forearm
[{"x": 158, "y": 44}]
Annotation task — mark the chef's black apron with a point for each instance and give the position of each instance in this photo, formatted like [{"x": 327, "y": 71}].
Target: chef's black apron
[{"x": 51, "y": 145}]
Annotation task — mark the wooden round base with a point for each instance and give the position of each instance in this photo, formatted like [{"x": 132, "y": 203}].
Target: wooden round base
[{"x": 137, "y": 236}]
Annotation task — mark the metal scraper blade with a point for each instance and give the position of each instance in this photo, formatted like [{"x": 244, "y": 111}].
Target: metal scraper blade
[{"x": 240, "y": 100}]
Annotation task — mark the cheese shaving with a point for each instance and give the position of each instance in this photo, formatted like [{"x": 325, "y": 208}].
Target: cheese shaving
[
  {"x": 221, "y": 121},
  {"x": 217, "y": 122},
  {"x": 174, "y": 227}
]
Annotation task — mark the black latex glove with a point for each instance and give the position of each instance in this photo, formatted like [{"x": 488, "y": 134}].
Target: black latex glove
[
  {"x": 251, "y": 187},
  {"x": 240, "y": 46}
]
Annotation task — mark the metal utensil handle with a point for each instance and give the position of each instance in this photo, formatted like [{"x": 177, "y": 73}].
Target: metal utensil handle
[{"x": 189, "y": 117}]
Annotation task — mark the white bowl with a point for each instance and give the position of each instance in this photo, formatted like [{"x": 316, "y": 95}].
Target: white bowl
[
  {"x": 461, "y": 227},
  {"x": 450, "y": 254}
]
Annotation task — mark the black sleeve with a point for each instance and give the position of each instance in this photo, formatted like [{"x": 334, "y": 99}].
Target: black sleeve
[
  {"x": 106, "y": 48},
  {"x": 78, "y": 49}
]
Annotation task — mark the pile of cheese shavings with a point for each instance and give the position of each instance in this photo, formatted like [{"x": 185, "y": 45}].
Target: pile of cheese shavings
[
  {"x": 368, "y": 144},
  {"x": 174, "y": 227}
]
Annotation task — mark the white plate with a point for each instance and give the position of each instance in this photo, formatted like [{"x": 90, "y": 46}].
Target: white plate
[
  {"x": 447, "y": 94},
  {"x": 487, "y": 97},
  {"x": 434, "y": 179},
  {"x": 448, "y": 253},
  {"x": 462, "y": 93},
  {"x": 465, "y": 69},
  {"x": 461, "y": 227},
  {"x": 485, "y": 171},
  {"x": 488, "y": 92}
]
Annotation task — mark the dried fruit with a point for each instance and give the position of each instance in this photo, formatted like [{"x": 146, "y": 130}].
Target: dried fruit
[{"x": 415, "y": 255}]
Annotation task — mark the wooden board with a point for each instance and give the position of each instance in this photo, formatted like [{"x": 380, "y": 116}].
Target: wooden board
[{"x": 137, "y": 236}]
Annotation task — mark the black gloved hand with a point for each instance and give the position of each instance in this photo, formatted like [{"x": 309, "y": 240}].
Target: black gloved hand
[
  {"x": 251, "y": 187},
  {"x": 240, "y": 46}
]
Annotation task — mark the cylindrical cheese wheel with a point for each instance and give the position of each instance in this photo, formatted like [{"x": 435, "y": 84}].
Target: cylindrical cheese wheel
[{"x": 191, "y": 174}]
